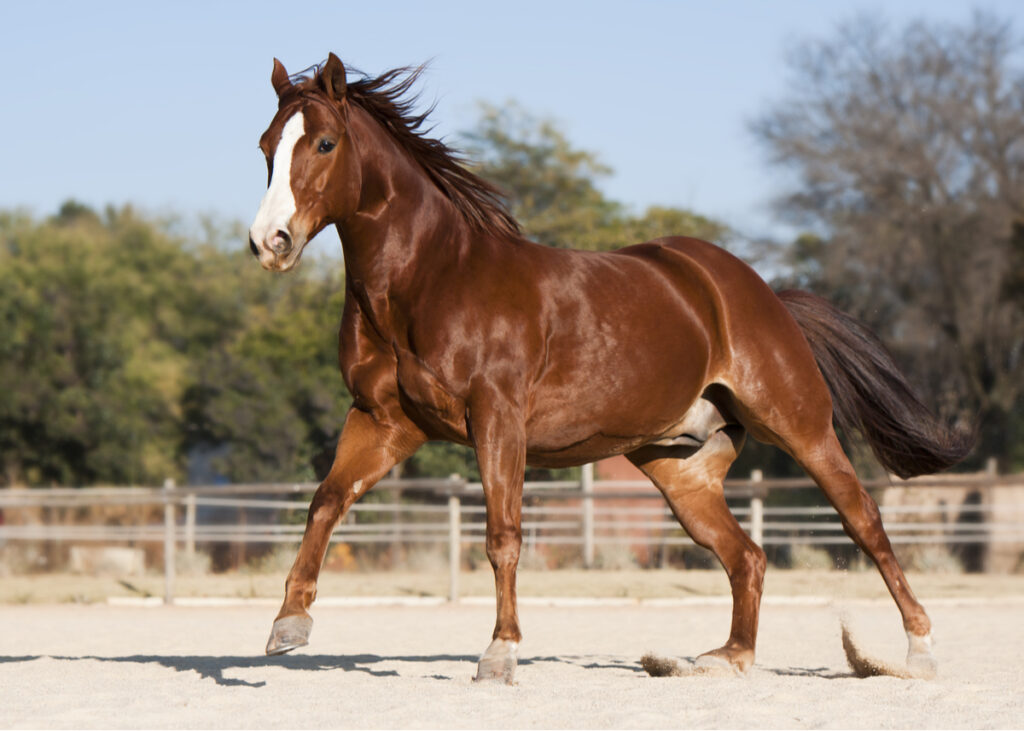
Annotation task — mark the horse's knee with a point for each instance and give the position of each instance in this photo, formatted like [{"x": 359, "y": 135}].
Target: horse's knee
[{"x": 503, "y": 545}]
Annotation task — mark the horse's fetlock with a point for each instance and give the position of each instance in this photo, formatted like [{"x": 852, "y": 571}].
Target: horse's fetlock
[
  {"x": 300, "y": 591},
  {"x": 918, "y": 626}
]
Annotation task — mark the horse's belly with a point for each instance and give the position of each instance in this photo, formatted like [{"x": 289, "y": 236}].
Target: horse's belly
[
  {"x": 591, "y": 449},
  {"x": 599, "y": 417}
]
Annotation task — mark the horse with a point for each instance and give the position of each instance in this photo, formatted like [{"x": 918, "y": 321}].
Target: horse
[{"x": 457, "y": 327}]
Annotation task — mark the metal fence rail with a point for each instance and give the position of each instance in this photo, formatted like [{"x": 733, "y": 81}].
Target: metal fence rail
[{"x": 450, "y": 512}]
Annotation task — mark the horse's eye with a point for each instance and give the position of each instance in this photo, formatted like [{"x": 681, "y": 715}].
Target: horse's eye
[{"x": 325, "y": 146}]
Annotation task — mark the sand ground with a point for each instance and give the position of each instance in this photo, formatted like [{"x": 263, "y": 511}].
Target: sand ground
[
  {"x": 91, "y": 666},
  {"x": 638, "y": 584}
]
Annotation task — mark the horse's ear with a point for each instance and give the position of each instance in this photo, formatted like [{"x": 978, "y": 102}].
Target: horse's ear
[
  {"x": 332, "y": 77},
  {"x": 279, "y": 78}
]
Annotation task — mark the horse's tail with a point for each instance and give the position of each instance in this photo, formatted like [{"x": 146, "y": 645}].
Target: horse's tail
[{"x": 871, "y": 395}]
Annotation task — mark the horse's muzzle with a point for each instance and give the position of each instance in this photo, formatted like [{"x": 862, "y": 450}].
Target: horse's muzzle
[{"x": 278, "y": 249}]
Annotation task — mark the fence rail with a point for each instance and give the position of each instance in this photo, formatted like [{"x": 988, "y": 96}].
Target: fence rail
[{"x": 584, "y": 513}]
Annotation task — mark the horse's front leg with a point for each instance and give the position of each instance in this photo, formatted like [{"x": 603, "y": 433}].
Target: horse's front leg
[
  {"x": 369, "y": 446},
  {"x": 500, "y": 440}
]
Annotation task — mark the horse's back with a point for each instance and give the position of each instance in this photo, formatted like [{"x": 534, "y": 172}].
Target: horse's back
[{"x": 741, "y": 307}]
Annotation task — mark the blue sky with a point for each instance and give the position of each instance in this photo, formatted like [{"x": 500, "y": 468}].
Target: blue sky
[{"x": 162, "y": 104}]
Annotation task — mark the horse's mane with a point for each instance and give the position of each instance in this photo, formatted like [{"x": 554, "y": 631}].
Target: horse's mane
[{"x": 386, "y": 99}]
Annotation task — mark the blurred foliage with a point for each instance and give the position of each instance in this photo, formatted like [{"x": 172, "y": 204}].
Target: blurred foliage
[
  {"x": 125, "y": 349},
  {"x": 552, "y": 187}
]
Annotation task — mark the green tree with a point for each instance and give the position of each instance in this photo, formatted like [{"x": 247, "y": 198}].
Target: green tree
[
  {"x": 92, "y": 349},
  {"x": 267, "y": 396},
  {"x": 128, "y": 351},
  {"x": 552, "y": 187}
]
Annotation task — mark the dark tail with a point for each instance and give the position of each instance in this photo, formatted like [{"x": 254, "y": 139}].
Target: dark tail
[{"x": 870, "y": 395}]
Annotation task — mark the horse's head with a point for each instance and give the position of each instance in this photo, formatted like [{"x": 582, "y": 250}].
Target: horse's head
[{"x": 309, "y": 158}]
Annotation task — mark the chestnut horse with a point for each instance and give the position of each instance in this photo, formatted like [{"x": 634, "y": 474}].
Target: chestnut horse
[{"x": 456, "y": 327}]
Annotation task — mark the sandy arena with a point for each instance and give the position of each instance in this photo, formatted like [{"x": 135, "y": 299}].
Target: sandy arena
[{"x": 77, "y": 666}]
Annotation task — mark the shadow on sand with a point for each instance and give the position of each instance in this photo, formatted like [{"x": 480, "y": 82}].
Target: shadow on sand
[{"x": 214, "y": 668}]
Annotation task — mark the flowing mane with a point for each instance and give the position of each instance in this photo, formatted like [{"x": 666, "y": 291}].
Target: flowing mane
[{"x": 386, "y": 99}]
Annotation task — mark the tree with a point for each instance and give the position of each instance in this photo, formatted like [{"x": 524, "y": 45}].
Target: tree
[
  {"x": 92, "y": 375},
  {"x": 552, "y": 187},
  {"x": 267, "y": 397},
  {"x": 126, "y": 352},
  {"x": 909, "y": 153}
]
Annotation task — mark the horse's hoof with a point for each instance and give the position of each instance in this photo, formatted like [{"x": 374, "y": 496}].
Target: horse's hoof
[
  {"x": 289, "y": 633},
  {"x": 921, "y": 662},
  {"x": 714, "y": 665},
  {"x": 724, "y": 661},
  {"x": 498, "y": 662},
  {"x": 923, "y": 666}
]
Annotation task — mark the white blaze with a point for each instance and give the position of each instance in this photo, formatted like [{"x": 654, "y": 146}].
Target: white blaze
[{"x": 278, "y": 205}]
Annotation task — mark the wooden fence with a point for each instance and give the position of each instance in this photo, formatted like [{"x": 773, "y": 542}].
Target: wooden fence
[{"x": 981, "y": 509}]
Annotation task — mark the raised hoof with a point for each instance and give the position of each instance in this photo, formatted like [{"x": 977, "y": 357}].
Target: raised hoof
[
  {"x": 498, "y": 662},
  {"x": 289, "y": 633}
]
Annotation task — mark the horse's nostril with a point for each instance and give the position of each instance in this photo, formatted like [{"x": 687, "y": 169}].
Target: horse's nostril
[
  {"x": 281, "y": 242},
  {"x": 252, "y": 248}
]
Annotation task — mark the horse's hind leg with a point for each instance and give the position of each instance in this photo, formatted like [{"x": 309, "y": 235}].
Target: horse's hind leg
[
  {"x": 691, "y": 481},
  {"x": 805, "y": 431},
  {"x": 825, "y": 461},
  {"x": 367, "y": 449}
]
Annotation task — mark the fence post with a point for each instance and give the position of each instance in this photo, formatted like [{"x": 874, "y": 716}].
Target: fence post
[
  {"x": 454, "y": 544},
  {"x": 587, "y": 487},
  {"x": 992, "y": 467},
  {"x": 170, "y": 545},
  {"x": 190, "y": 525},
  {"x": 757, "y": 509}
]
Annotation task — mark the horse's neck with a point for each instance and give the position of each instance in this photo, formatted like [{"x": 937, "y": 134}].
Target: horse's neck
[
  {"x": 404, "y": 227},
  {"x": 402, "y": 238}
]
